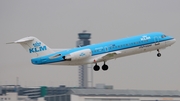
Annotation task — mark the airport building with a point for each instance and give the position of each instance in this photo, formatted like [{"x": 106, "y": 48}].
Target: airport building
[
  {"x": 14, "y": 93},
  {"x": 101, "y": 92},
  {"x": 15, "y": 97},
  {"x": 122, "y": 95},
  {"x": 107, "y": 93}
]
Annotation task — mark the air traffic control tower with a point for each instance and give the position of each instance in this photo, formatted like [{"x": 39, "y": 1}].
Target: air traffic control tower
[{"x": 83, "y": 69}]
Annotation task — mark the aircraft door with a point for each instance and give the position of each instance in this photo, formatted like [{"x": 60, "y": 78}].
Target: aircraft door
[
  {"x": 156, "y": 40},
  {"x": 106, "y": 49}
]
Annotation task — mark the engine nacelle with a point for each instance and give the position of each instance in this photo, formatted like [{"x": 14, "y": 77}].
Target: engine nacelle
[{"x": 79, "y": 55}]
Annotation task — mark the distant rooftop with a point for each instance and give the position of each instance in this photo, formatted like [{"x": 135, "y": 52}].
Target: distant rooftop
[
  {"x": 100, "y": 90},
  {"x": 111, "y": 92}
]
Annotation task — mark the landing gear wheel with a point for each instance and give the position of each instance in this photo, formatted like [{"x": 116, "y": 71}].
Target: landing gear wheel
[
  {"x": 105, "y": 67},
  {"x": 96, "y": 68},
  {"x": 159, "y": 54}
]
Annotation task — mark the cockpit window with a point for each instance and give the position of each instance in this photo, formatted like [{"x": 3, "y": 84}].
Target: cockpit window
[{"x": 163, "y": 36}]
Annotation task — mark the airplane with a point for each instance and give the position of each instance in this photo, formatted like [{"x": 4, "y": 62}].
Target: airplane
[{"x": 95, "y": 53}]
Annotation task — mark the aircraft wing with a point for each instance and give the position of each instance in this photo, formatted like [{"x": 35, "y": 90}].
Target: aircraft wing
[
  {"x": 111, "y": 55},
  {"x": 57, "y": 50},
  {"x": 108, "y": 56}
]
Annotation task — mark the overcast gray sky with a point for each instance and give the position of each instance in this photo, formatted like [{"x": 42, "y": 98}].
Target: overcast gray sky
[{"x": 57, "y": 22}]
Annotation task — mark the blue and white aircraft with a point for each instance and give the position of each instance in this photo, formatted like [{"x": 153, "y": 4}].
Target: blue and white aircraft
[{"x": 92, "y": 54}]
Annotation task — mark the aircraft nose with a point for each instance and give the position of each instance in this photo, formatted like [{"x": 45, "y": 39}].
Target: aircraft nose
[
  {"x": 173, "y": 41},
  {"x": 170, "y": 42}
]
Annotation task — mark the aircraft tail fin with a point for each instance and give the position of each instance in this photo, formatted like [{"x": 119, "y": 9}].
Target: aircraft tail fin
[{"x": 34, "y": 46}]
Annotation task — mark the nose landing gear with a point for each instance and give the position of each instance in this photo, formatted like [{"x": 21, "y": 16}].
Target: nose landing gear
[{"x": 158, "y": 54}]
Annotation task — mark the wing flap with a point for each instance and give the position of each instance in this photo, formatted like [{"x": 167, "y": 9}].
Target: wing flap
[
  {"x": 108, "y": 56},
  {"x": 111, "y": 55}
]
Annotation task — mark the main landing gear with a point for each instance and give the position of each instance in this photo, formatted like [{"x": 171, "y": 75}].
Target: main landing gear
[
  {"x": 158, "y": 54},
  {"x": 96, "y": 67},
  {"x": 104, "y": 67}
]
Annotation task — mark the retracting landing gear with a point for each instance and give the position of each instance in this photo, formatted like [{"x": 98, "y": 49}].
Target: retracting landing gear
[
  {"x": 158, "y": 54},
  {"x": 96, "y": 67},
  {"x": 104, "y": 67}
]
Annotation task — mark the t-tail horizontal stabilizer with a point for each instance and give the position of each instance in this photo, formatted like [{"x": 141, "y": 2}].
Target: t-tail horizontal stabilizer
[{"x": 34, "y": 46}]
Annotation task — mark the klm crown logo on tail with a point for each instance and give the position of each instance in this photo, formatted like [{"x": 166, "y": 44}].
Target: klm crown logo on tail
[{"x": 37, "y": 48}]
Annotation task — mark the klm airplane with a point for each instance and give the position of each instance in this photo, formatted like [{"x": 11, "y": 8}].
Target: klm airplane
[{"x": 92, "y": 54}]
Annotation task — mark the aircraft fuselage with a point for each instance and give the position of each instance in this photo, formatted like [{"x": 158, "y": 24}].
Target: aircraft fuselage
[{"x": 107, "y": 50}]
